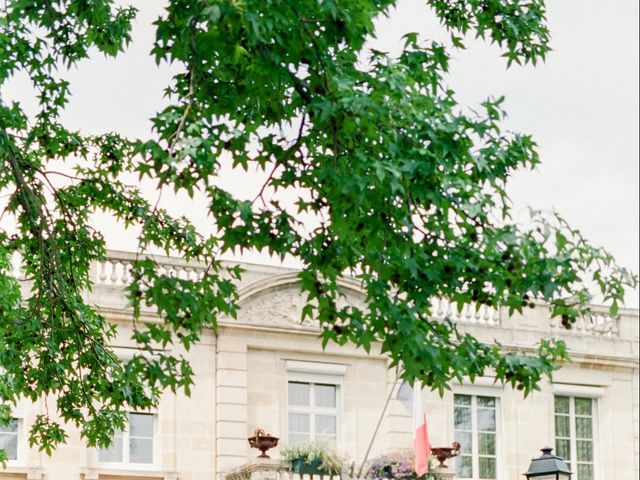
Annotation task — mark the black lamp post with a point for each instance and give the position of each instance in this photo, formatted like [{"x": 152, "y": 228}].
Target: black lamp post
[{"x": 548, "y": 467}]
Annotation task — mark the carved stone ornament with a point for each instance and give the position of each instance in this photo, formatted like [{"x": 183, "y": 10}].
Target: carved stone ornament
[{"x": 282, "y": 307}]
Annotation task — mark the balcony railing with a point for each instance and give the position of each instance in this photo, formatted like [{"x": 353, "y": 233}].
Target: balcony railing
[
  {"x": 599, "y": 324},
  {"x": 115, "y": 272},
  {"x": 271, "y": 469},
  {"x": 469, "y": 314}
]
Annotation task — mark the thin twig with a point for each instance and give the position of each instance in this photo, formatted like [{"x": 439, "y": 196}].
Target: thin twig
[
  {"x": 292, "y": 149},
  {"x": 265, "y": 184},
  {"x": 53, "y": 172}
]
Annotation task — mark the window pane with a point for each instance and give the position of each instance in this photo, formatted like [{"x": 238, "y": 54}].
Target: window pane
[
  {"x": 487, "y": 468},
  {"x": 563, "y": 449},
  {"x": 141, "y": 450},
  {"x": 325, "y": 396},
  {"x": 486, "y": 401},
  {"x": 583, "y": 406},
  {"x": 464, "y": 467},
  {"x": 298, "y": 438},
  {"x": 462, "y": 400},
  {"x": 9, "y": 443},
  {"x": 114, "y": 452},
  {"x": 584, "y": 427},
  {"x": 298, "y": 393},
  {"x": 299, "y": 423},
  {"x": 326, "y": 425},
  {"x": 464, "y": 439},
  {"x": 562, "y": 426},
  {"x": 486, "y": 443},
  {"x": 11, "y": 427},
  {"x": 585, "y": 450},
  {"x": 329, "y": 440},
  {"x": 141, "y": 425},
  {"x": 585, "y": 472},
  {"x": 486, "y": 420},
  {"x": 462, "y": 418},
  {"x": 562, "y": 405}
]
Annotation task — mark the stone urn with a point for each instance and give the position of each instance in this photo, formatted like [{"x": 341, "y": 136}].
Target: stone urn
[
  {"x": 444, "y": 453},
  {"x": 263, "y": 442}
]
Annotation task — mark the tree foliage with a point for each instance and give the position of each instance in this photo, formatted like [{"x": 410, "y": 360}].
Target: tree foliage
[{"x": 405, "y": 189}]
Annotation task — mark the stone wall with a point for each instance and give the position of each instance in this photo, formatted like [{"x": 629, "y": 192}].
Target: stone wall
[{"x": 241, "y": 379}]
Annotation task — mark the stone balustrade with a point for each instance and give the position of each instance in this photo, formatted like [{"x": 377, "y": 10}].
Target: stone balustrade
[
  {"x": 600, "y": 323},
  {"x": 116, "y": 269},
  {"x": 272, "y": 469},
  {"x": 115, "y": 272},
  {"x": 483, "y": 315}
]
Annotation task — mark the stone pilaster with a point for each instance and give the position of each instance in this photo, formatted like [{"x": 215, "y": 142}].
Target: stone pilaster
[{"x": 231, "y": 401}]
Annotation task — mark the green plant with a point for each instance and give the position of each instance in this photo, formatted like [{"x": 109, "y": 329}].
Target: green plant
[
  {"x": 399, "y": 185},
  {"x": 326, "y": 458}
]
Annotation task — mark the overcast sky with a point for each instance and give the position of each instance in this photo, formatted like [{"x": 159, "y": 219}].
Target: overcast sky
[{"x": 581, "y": 107}]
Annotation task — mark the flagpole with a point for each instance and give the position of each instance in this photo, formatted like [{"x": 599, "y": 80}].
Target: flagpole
[{"x": 375, "y": 432}]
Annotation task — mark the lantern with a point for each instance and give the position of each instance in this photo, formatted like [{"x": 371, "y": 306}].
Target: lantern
[{"x": 548, "y": 467}]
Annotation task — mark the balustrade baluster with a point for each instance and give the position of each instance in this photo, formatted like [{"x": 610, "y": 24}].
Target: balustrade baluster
[
  {"x": 126, "y": 269},
  {"x": 114, "y": 274},
  {"x": 483, "y": 314},
  {"x": 450, "y": 311},
  {"x": 102, "y": 276},
  {"x": 614, "y": 321},
  {"x": 468, "y": 313},
  {"x": 180, "y": 272},
  {"x": 582, "y": 325},
  {"x": 187, "y": 273}
]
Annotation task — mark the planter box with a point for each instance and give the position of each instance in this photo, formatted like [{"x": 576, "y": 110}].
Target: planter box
[{"x": 301, "y": 466}]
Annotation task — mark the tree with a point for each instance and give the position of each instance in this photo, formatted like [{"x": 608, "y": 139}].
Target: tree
[{"x": 405, "y": 188}]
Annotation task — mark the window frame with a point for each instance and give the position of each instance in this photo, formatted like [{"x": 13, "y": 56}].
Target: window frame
[
  {"x": 572, "y": 394},
  {"x": 126, "y": 450},
  {"x": 481, "y": 391},
  {"x": 314, "y": 373},
  {"x": 21, "y": 445},
  {"x": 125, "y": 354}
]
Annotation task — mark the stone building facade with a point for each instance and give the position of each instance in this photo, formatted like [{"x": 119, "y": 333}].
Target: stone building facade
[{"x": 267, "y": 370}]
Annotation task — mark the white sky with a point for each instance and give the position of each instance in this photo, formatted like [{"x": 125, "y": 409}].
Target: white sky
[{"x": 581, "y": 107}]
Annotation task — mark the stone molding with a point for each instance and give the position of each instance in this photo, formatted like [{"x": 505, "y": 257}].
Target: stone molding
[
  {"x": 110, "y": 474},
  {"x": 259, "y": 469},
  {"x": 291, "y": 278},
  {"x": 278, "y": 302},
  {"x": 24, "y": 473}
]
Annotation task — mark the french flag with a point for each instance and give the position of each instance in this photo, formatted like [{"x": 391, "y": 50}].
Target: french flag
[{"x": 411, "y": 398}]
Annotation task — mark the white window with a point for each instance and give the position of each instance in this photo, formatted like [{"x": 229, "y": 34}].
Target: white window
[
  {"x": 313, "y": 412},
  {"x": 475, "y": 428},
  {"x": 134, "y": 446},
  {"x": 574, "y": 432},
  {"x": 313, "y": 403},
  {"x": 9, "y": 439}
]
